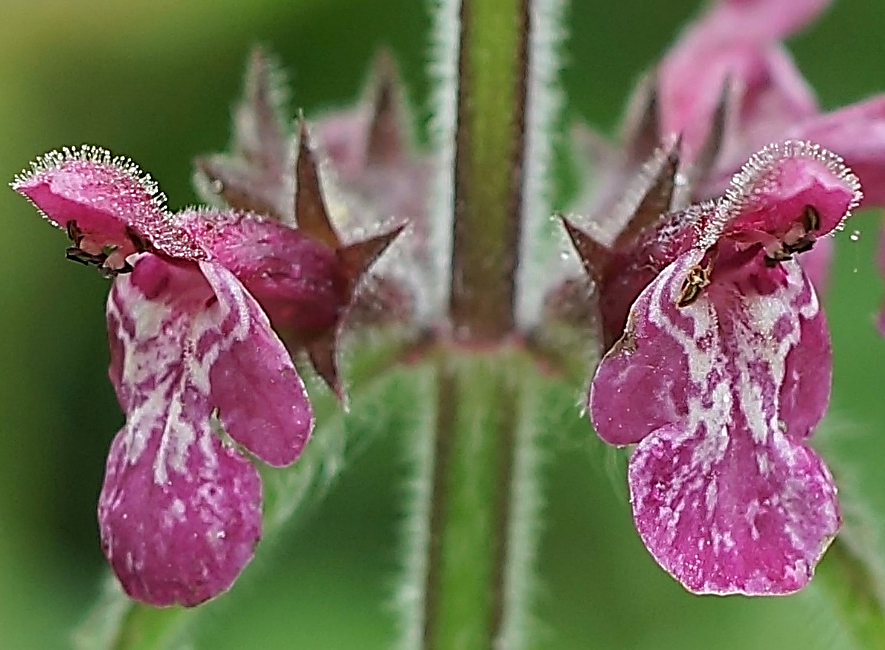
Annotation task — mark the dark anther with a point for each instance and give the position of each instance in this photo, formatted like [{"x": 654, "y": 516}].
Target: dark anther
[
  {"x": 803, "y": 245},
  {"x": 74, "y": 233},
  {"x": 810, "y": 218},
  {"x": 140, "y": 243},
  {"x": 88, "y": 259},
  {"x": 76, "y": 255},
  {"x": 773, "y": 260}
]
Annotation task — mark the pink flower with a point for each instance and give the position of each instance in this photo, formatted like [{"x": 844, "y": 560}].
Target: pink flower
[
  {"x": 193, "y": 355},
  {"x": 192, "y": 352},
  {"x": 720, "y": 377}
]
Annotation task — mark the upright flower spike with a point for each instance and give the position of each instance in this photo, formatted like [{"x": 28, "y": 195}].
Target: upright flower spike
[
  {"x": 180, "y": 510},
  {"x": 730, "y": 348}
]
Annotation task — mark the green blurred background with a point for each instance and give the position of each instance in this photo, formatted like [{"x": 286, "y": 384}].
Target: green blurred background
[{"x": 155, "y": 80}]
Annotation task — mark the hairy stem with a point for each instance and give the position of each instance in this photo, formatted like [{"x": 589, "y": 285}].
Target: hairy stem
[
  {"x": 483, "y": 498},
  {"x": 473, "y": 525},
  {"x": 489, "y": 157}
]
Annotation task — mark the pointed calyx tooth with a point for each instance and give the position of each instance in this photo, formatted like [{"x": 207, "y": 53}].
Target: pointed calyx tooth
[
  {"x": 356, "y": 258},
  {"x": 642, "y": 133},
  {"x": 323, "y": 352},
  {"x": 354, "y": 261},
  {"x": 385, "y": 141},
  {"x": 709, "y": 152},
  {"x": 594, "y": 256},
  {"x": 260, "y": 123},
  {"x": 310, "y": 208},
  {"x": 657, "y": 199}
]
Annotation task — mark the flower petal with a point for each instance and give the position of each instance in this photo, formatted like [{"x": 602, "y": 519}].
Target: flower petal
[
  {"x": 724, "y": 513},
  {"x": 295, "y": 278},
  {"x": 112, "y": 204},
  {"x": 765, "y": 18},
  {"x": 261, "y": 399},
  {"x": 731, "y": 383},
  {"x": 187, "y": 335},
  {"x": 180, "y": 512},
  {"x": 653, "y": 355},
  {"x": 182, "y": 539},
  {"x": 756, "y": 336}
]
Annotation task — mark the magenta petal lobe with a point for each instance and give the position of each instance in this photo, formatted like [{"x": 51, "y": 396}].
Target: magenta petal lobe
[
  {"x": 725, "y": 514},
  {"x": 261, "y": 400},
  {"x": 720, "y": 394},
  {"x": 180, "y": 510},
  {"x": 185, "y": 539}
]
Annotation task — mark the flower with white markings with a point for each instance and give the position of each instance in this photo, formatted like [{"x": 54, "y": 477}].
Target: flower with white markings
[
  {"x": 729, "y": 350},
  {"x": 192, "y": 350}
]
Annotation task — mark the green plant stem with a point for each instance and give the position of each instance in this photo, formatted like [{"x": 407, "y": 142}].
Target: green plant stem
[
  {"x": 481, "y": 514},
  {"x": 475, "y": 522},
  {"x": 489, "y": 160}
]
